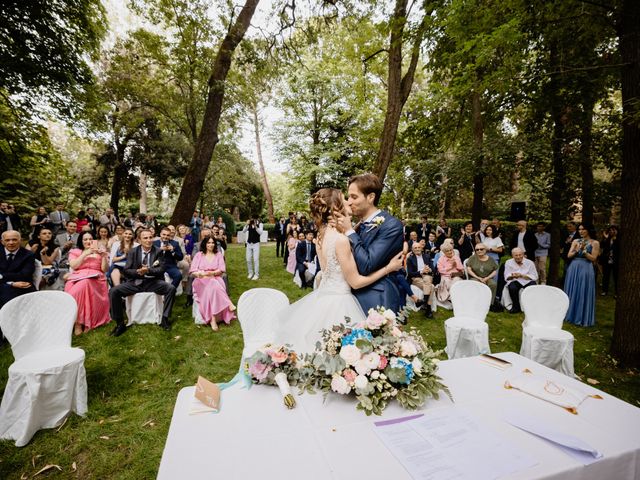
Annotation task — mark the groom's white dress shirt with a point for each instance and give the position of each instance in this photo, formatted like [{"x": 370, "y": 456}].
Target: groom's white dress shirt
[{"x": 368, "y": 219}]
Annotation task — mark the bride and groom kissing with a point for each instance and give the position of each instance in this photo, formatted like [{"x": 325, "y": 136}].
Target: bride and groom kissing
[{"x": 356, "y": 263}]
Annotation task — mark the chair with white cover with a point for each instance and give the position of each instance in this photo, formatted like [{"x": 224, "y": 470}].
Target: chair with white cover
[
  {"x": 543, "y": 339},
  {"x": 410, "y": 304},
  {"x": 466, "y": 272},
  {"x": 195, "y": 312},
  {"x": 37, "y": 274},
  {"x": 144, "y": 307},
  {"x": 258, "y": 312},
  {"x": 467, "y": 332},
  {"x": 47, "y": 380}
]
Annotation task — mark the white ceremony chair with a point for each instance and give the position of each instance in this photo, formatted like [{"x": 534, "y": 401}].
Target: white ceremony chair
[
  {"x": 466, "y": 272},
  {"x": 144, "y": 307},
  {"x": 543, "y": 339},
  {"x": 37, "y": 274},
  {"x": 195, "y": 312},
  {"x": 409, "y": 301},
  {"x": 467, "y": 332},
  {"x": 47, "y": 380},
  {"x": 257, "y": 312}
]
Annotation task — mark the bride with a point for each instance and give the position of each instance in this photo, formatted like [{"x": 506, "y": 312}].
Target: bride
[{"x": 300, "y": 324}]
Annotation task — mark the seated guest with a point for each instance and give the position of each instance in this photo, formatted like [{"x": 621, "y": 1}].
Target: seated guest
[
  {"x": 183, "y": 264},
  {"x": 450, "y": 269},
  {"x": 208, "y": 286},
  {"x": 66, "y": 241},
  {"x": 218, "y": 236},
  {"x": 430, "y": 246},
  {"x": 103, "y": 236},
  {"x": 519, "y": 273},
  {"x": 118, "y": 256},
  {"x": 144, "y": 272},
  {"x": 482, "y": 268},
  {"x": 493, "y": 242},
  {"x": 48, "y": 254},
  {"x": 82, "y": 220},
  {"x": 305, "y": 255},
  {"x": 38, "y": 221},
  {"x": 421, "y": 275},
  {"x": 184, "y": 233},
  {"x": 220, "y": 224},
  {"x": 17, "y": 266},
  {"x": 87, "y": 283},
  {"x": 117, "y": 236},
  {"x": 171, "y": 254},
  {"x": 413, "y": 238}
]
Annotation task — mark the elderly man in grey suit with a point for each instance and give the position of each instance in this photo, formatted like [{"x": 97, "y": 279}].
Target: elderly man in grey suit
[{"x": 66, "y": 241}]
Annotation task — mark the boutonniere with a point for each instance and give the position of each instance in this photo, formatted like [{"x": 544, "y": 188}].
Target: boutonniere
[{"x": 376, "y": 222}]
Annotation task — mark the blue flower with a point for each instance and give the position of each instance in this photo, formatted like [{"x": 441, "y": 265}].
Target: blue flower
[
  {"x": 355, "y": 335},
  {"x": 398, "y": 362}
]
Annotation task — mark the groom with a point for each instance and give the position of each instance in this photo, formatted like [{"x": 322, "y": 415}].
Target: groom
[{"x": 375, "y": 241}]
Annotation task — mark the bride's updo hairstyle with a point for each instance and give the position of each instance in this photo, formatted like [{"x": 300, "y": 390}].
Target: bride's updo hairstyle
[{"x": 323, "y": 203}]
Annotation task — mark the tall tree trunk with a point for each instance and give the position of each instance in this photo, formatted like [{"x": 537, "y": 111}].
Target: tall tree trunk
[
  {"x": 398, "y": 86},
  {"x": 586, "y": 162},
  {"x": 477, "y": 127},
  {"x": 263, "y": 173},
  {"x": 626, "y": 335},
  {"x": 119, "y": 172},
  {"x": 142, "y": 185},
  {"x": 208, "y": 137}
]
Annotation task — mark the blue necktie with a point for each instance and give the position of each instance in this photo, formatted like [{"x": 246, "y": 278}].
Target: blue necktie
[{"x": 308, "y": 251}]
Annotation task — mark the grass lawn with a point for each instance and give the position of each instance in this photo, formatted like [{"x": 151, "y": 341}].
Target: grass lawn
[{"x": 134, "y": 379}]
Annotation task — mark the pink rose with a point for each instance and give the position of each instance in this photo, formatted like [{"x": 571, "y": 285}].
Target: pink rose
[
  {"x": 383, "y": 362},
  {"x": 259, "y": 371},
  {"x": 278, "y": 356},
  {"x": 349, "y": 375},
  {"x": 375, "y": 320}
]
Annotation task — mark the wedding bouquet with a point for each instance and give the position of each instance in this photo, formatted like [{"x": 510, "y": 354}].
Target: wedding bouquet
[
  {"x": 275, "y": 365},
  {"x": 377, "y": 361}
]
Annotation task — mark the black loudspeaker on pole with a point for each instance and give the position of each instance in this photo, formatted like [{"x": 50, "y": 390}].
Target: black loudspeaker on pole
[{"x": 518, "y": 211}]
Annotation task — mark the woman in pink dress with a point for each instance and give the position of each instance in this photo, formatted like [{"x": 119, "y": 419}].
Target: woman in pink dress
[
  {"x": 87, "y": 283},
  {"x": 451, "y": 270},
  {"x": 292, "y": 243},
  {"x": 209, "y": 290}
]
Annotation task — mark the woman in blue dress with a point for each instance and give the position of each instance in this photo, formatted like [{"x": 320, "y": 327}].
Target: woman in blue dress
[{"x": 580, "y": 278}]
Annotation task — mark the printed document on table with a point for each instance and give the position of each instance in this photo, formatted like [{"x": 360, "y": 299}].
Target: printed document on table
[{"x": 451, "y": 444}]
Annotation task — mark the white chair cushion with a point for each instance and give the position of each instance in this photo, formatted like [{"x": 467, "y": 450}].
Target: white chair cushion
[
  {"x": 551, "y": 347},
  {"x": 195, "y": 312},
  {"x": 466, "y": 337},
  {"x": 144, "y": 307},
  {"x": 47, "y": 361}
]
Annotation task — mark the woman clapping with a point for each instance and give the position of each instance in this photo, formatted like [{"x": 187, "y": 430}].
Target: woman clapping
[{"x": 209, "y": 290}]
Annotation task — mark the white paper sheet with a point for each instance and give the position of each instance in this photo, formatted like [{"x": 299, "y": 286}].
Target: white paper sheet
[
  {"x": 450, "y": 444},
  {"x": 571, "y": 445}
]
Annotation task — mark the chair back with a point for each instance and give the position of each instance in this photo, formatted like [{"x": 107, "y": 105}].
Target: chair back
[
  {"x": 37, "y": 274},
  {"x": 470, "y": 299},
  {"x": 466, "y": 272},
  {"x": 38, "y": 321},
  {"x": 258, "y": 310},
  {"x": 544, "y": 306}
]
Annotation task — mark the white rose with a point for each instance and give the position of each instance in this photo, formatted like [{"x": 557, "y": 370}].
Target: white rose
[
  {"x": 408, "y": 349},
  {"x": 362, "y": 368},
  {"x": 350, "y": 354},
  {"x": 361, "y": 382},
  {"x": 372, "y": 360},
  {"x": 396, "y": 332},
  {"x": 389, "y": 315},
  {"x": 375, "y": 374},
  {"x": 417, "y": 365},
  {"x": 383, "y": 376},
  {"x": 340, "y": 385}
]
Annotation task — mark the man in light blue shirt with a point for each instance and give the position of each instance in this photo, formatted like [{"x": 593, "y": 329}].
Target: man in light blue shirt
[{"x": 544, "y": 242}]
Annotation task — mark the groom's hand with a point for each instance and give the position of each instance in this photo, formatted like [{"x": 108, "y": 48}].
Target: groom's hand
[{"x": 343, "y": 222}]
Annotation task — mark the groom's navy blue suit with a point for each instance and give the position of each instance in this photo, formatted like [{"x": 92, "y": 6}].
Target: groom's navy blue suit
[{"x": 373, "y": 247}]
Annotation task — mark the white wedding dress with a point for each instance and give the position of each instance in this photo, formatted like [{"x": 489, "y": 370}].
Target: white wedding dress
[{"x": 299, "y": 325}]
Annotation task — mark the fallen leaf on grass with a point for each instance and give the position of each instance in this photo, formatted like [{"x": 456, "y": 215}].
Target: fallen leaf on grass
[
  {"x": 24, "y": 476},
  {"x": 177, "y": 337},
  {"x": 612, "y": 380},
  {"x": 63, "y": 424},
  {"x": 205, "y": 354},
  {"x": 74, "y": 467},
  {"x": 592, "y": 381},
  {"x": 45, "y": 468},
  {"x": 148, "y": 422},
  {"x": 153, "y": 363},
  {"x": 178, "y": 381},
  {"x": 104, "y": 437},
  {"x": 33, "y": 460}
]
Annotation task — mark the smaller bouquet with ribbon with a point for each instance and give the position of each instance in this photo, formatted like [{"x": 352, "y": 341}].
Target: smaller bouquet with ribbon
[{"x": 275, "y": 365}]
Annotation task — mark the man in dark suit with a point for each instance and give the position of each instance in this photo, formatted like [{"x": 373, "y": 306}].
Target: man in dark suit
[
  {"x": 143, "y": 272},
  {"x": 280, "y": 233},
  {"x": 421, "y": 275},
  {"x": 525, "y": 240},
  {"x": 17, "y": 265},
  {"x": 424, "y": 228},
  {"x": 305, "y": 256},
  {"x": 170, "y": 255}
]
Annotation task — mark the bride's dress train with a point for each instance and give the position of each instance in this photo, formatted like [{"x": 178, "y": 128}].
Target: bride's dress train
[{"x": 300, "y": 324}]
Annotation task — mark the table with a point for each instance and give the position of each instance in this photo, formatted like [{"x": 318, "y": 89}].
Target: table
[{"x": 255, "y": 436}]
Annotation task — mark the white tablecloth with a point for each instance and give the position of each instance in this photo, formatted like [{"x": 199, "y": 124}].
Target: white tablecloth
[{"x": 255, "y": 436}]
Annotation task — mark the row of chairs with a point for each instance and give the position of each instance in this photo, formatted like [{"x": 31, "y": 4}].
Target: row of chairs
[{"x": 543, "y": 339}]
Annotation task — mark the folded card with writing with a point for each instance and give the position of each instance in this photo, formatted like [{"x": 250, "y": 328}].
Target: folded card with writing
[
  {"x": 494, "y": 361},
  {"x": 549, "y": 389},
  {"x": 207, "y": 396}
]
